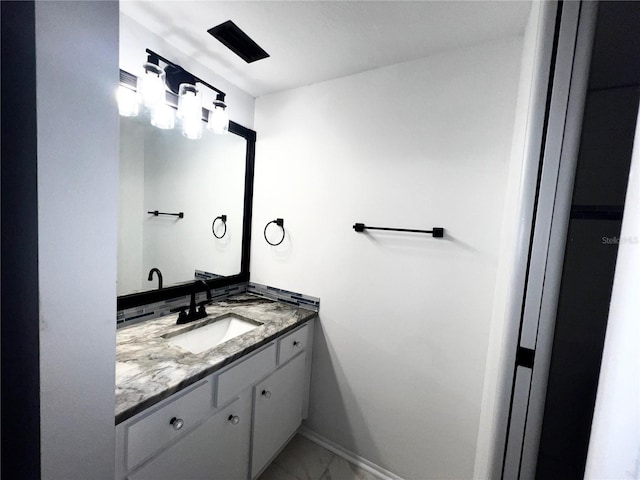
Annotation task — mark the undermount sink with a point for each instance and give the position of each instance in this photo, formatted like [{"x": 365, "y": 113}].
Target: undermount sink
[{"x": 211, "y": 333}]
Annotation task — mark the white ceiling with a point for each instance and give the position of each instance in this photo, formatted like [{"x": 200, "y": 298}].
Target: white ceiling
[{"x": 313, "y": 41}]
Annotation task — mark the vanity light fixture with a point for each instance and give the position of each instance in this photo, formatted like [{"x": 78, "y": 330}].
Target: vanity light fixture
[
  {"x": 152, "y": 89},
  {"x": 189, "y": 101},
  {"x": 164, "y": 91},
  {"x": 218, "y": 121},
  {"x": 127, "y": 101},
  {"x": 190, "y": 110}
]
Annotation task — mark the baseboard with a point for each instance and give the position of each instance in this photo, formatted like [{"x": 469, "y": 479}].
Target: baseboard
[{"x": 349, "y": 456}]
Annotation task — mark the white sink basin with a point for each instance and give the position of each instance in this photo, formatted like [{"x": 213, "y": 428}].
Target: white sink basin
[{"x": 210, "y": 334}]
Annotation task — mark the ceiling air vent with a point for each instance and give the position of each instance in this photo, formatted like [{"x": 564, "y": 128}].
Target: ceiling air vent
[{"x": 238, "y": 42}]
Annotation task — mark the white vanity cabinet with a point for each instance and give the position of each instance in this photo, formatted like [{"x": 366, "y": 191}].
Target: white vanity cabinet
[
  {"x": 278, "y": 406},
  {"x": 227, "y": 426},
  {"x": 216, "y": 449}
]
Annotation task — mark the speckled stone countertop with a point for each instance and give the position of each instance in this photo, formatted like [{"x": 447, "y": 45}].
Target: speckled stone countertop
[{"x": 149, "y": 368}]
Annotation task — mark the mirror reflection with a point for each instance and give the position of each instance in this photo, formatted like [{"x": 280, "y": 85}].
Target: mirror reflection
[{"x": 161, "y": 170}]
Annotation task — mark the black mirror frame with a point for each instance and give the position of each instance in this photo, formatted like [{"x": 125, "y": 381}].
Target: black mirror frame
[{"x": 151, "y": 296}]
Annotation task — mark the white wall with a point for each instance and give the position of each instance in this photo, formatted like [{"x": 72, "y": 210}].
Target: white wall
[
  {"x": 134, "y": 39},
  {"x": 400, "y": 352},
  {"x": 614, "y": 448},
  {"x": 77, "y": 71}
]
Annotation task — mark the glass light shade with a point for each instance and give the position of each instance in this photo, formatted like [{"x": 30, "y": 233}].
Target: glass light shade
[
  {"x": 189, "y": 102},
  {"x": 127, "y": 102},
  {"x": 163, "y": 116},
  {"x": 218, "y": 121},
  {"x": 192, "y": 128},
  {"x": 152, "y": 90}
]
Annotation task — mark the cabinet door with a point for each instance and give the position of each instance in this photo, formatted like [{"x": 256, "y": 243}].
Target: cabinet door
[
  {"x": 278, "y": 411},
  {"x": 217, "y": 449}
]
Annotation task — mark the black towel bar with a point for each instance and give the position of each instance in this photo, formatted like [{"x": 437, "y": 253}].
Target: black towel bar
[
  {"x": 437, "y": 232},
  {"x": 156, "y": 213}
]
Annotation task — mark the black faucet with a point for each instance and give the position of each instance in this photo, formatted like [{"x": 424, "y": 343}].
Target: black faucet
[
  {"x": 195, "y": 314},
  {"x": 156, "y": 270}
]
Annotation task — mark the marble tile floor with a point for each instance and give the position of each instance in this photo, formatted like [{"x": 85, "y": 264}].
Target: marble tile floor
[{"x": 302, "y": 459}]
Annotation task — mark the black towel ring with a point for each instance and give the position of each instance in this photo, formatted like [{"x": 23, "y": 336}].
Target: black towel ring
[
  {"x": 279, "y": 222},
  {"x": 224, "y": 222}
]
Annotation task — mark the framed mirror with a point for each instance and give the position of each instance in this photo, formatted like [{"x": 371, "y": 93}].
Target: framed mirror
[{"x": 184, "y": 209}]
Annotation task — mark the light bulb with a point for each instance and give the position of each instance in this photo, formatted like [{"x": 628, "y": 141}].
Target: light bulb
[
  {"x": 163, "y": 116},
  {"x": 189, "y": 102},
  {"x": 152, "y": 88},
  {"x": 127, "y": 102},
  {"x": 218, "y": 121}
]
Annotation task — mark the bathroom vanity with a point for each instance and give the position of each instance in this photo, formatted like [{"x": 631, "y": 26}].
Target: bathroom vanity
[
  {"x": 217, "y": 397},
  {"x": 223, "y": 413}
]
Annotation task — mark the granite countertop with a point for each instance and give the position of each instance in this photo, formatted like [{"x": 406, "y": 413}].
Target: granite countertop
[{"x": 150, "y": 369}]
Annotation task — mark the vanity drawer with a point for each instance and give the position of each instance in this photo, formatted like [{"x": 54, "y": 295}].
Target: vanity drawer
[
  {"x": 292, "y": 343},
  {"x": 155, "y": 430},
  {"x": 246, "y": 373}
]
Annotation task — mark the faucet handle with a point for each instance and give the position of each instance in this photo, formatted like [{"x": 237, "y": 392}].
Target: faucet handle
[{"x": 182, "y": 316}]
